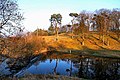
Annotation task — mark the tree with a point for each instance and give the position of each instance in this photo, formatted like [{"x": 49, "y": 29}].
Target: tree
[
  {"x": 10, "y": 17},
  {"x": 74, "y": 15},
  {"x": 56, "y": 19},
  {"x": 63, "y": 29},
  {"x": 102, "y": 20},
  {"x": 115, "y": 18},
  {"x": 51, "y": 29},
  {"x": 82, "y": 19},
  {"x": 10, "y": 21}
]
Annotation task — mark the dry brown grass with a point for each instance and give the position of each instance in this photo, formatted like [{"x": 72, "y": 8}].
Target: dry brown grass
[
  {"x": 24, "y": 46},
  {"x": 91, "y": 42},
  {"x": 63, "y": 42},
  {"x": 32, "y": 45}
]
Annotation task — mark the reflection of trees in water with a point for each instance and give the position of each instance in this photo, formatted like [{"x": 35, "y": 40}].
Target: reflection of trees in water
[
  {"x": 70, "y": 68},
  {"x": 50, "y": 60},
  {"x": 107, "y": 69},
  {"x": 36, "y": 63},
  {"x": 92, "y": 68},
  {"x": 100, "y": 68},
  {"x": 55, "y": 67},
  {"x": 43, "y": 58}
]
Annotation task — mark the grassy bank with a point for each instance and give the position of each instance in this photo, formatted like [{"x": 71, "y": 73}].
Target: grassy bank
[{"x": 92, "y": 45}]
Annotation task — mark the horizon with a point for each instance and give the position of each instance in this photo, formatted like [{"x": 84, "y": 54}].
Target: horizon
[{"x": 37, "y": 13}]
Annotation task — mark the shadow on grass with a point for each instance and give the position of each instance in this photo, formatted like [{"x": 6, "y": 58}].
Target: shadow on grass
[
  {"x": 103, "y": 53},
  {"x": 114, "y": 38}
]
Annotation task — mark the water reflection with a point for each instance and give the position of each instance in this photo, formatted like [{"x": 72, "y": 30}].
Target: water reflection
[
  {"x": 52, "y": 66},
  {"x": 83, "y": 67},
  {"x": 100, "y": 68},
  {"x": 4, "y": 69}
]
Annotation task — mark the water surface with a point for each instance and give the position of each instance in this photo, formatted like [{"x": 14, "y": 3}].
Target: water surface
[{"x": 81, "y": 66}]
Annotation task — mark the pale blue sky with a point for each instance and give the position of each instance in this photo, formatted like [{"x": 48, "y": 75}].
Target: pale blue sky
[{"x": 37, "y": 12}]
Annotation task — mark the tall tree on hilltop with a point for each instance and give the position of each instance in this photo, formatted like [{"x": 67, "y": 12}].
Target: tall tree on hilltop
[
  {"x": 74, "y": 15},
  {"x": 102, "y": 22},
  {"x": 56, "y": 19},
  {"x": 83, "y": 26},
  {"x": 115, "y": 17}
]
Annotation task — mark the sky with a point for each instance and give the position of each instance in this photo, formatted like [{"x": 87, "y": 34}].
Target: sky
[{"x": 37, "y": 12}]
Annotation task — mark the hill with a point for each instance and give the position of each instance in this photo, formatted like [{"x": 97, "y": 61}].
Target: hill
[{"x": 92, "y": 44}]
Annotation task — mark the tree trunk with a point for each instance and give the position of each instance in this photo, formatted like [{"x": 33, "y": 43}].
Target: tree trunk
[
  {"x": 103, "y": 39},
  {"x": 56, "y": 32},
  {"x": 72, "y": 29},
  {"x": 108, "y": 43},
  {"x": 83, "y": 39}
]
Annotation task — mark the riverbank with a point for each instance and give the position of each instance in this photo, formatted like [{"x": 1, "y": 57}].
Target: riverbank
[
  {"x": 92, "y": 53},
  {"x": 45, "y": 77}
]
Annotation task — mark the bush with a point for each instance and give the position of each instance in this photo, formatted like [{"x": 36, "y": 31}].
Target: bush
[{"x": 23, "y": 46}]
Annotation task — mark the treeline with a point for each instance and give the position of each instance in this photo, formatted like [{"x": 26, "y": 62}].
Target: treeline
[{"x": 102, "y": 21}]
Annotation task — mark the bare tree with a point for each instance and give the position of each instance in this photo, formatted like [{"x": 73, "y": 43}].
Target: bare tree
[
  {"x": 10, "y": 20},
  {"x": 10, "y": 17}
]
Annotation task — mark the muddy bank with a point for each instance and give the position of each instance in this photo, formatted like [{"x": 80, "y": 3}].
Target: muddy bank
[{"x": 94, "y": 53}]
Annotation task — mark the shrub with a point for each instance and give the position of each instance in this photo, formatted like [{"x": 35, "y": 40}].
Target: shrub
[{"x": 23, "y": 46}]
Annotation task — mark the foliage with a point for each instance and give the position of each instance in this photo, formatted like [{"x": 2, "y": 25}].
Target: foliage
[
  {"x": 73, "y": 14},
  {"x": 51, "y": 30},
  {"x": 40, "y": 32},
  {"x": 56, "y": 19},
  {"x": 23, "y": 46},
  {"x": 73, "y": 21}
]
